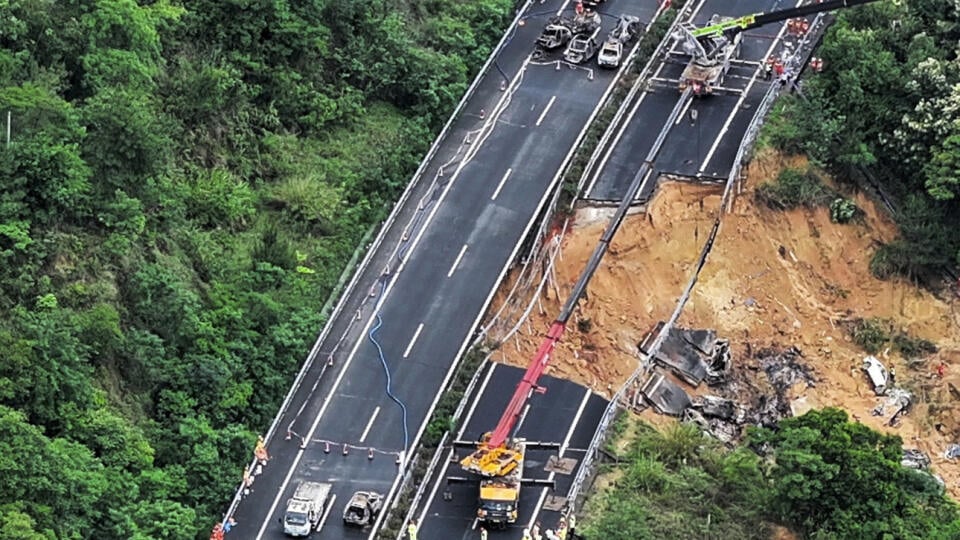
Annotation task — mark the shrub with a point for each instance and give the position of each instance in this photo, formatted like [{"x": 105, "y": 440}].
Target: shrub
[
  {"x": 911, "y": 347},
  {"x": 843, "y": 210},
  {"x": 871, "y": 334},
  {"x": 793, "y": 188}
]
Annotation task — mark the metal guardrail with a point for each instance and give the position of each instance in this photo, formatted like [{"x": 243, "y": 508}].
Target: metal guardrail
[{"x": 372, "y": 249}]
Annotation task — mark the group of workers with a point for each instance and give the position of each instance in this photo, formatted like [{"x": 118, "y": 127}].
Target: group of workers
[
  {"x": 774, "y": 66},
  {"x": 563, "y": 531},
  {"x": 798, "y": 27},
  {"x": 259, "y": 452}
]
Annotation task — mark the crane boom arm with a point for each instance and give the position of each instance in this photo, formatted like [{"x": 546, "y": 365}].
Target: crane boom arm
[
  {"x": 749, "y": 22},
  {"x": 526, "y": 386}
]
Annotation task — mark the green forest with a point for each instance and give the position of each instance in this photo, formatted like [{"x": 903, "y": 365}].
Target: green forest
[
  {"x": 183, "y": 185},
  {"x": 819, "y": 474},
  {"x": 885, "y": 113}
]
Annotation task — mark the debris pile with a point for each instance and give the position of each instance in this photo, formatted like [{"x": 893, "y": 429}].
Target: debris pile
[
  {"x": 738, "y": 400},
  {"x": 692, "y": 355},
  {"x": 953, "y": 451}
]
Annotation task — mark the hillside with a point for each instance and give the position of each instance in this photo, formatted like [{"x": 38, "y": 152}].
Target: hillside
[{"x": 755, "y": 297}]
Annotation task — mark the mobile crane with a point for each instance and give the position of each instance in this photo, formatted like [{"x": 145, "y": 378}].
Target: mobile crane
[{"x": 714, "y": 46}]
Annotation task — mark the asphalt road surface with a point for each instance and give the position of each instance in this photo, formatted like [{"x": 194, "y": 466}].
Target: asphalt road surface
[
  {"x": 427, "y": 285},
  {"x": 566, "y": 414},
  {"x": 703, "y": 142}
]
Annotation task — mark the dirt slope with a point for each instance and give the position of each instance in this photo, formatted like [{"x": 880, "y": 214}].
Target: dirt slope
[{"x": 772, "y": 279}]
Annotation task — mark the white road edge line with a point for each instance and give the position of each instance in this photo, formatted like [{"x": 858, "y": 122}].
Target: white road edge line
[
  {"x": 546, "y": 110},
  {"x": 413, "y": 340},
  {"x": 366, "y": 430},
  {"x": 746, "y": 91},
  {"x": 643, "y": 183},
  {"x": 523, "y": 416},
  {"x": 683, "y": 112},
  {"x": 463, "y": 427},
  {"x": 453, "y": 267},
  {"x": 326, "y": 514},
  {"x": 563, "y": 448},
  {"x": 500, "y": 185}
]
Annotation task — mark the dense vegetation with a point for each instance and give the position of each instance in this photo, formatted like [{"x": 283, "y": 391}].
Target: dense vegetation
[
  {"x": 818, "y": 474},
  {"x": 182, "y": 188},
  {"x": 885, "y": 109}
]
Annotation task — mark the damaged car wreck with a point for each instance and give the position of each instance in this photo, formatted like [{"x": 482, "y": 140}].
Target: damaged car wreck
[
  {"x": 734, "y": 400},
  {"x": 761, "y": 389}
]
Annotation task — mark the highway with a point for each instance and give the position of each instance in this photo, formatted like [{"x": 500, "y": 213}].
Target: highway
[
  {"x": 704, "y": 140},
  {"x": 426, "y": 283},
  {"x": 701, "y": 144},
  {"x": 566, "y": 414}
]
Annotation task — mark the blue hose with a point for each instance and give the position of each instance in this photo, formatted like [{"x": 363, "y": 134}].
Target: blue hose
[{"x": 386, "y": 371}]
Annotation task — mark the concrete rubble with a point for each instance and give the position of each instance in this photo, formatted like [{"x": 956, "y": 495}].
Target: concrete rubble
[
  {"x": 692, "y": 355},
  {"x": 736, "y": 401},
  {"x": 915, "y": 459},
  {"x": 665, "y": 395},
  {"x": 739, "y": 398},
  {"x": 953, "y": 451}
]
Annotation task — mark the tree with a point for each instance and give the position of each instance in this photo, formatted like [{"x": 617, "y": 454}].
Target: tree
[
  {"x": 943, "y": 171},
  {"x": 838, "y": 477}
]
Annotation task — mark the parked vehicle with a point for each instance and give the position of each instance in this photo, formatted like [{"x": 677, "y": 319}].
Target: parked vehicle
[
  {"x": 306, "y": 509},
  {"x": 362, "y": 508}
]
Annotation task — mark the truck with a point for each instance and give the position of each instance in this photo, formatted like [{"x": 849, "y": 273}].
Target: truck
[
  {"x": 500, "y": 495},
  {"x": 711, "y": 56},
  {"x": 362, "y": 508},
  {"x": 306, "y": 509},
  {"x": 715, "y": 45}
]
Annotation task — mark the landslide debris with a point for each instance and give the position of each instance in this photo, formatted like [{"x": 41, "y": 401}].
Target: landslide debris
[{"x": 775, "y": 280}]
